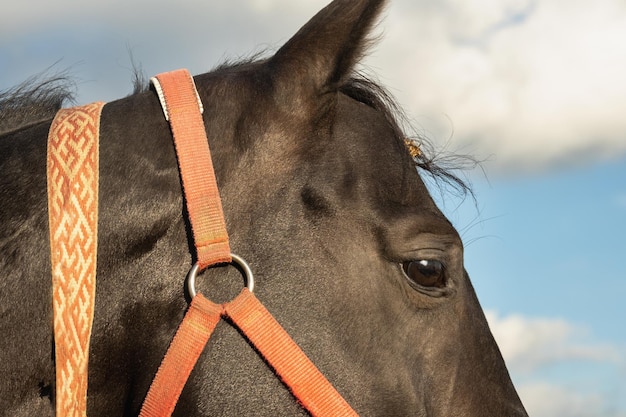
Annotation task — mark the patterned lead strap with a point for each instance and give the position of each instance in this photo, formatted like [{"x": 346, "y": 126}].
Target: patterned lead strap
[{"x": 73, "y": 215}]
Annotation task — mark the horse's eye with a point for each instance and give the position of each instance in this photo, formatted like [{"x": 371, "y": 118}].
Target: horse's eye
[{"x": 426, "y": 273}]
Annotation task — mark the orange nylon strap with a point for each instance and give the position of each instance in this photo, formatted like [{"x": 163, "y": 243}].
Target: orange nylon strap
[
  {"x": 73, "y": 215},
  {"x": 179, "y": 98},
  {"x": 181, "y": 357},
  {"x": 180, "y": 102},
  {"x": 313, "y": 391}
]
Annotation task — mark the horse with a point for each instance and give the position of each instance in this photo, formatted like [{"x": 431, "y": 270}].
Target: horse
[{"x": 323, "y": 199}]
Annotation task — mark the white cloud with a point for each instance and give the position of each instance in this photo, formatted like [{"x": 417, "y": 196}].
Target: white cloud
[
  {"x": 533, "y": 83},
  {"x": 548, "y": 400},
  {"x": 530, "y": 343},
  {"x": 176, "y": 20},
  {"x": 588, "y": 382}
]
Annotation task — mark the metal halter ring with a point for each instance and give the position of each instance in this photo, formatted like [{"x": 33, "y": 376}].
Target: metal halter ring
[{"x": 249, "y": 278}]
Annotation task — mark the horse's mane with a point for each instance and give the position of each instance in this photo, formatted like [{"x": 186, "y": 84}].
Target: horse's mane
[
  {"x": 36, "y": 99},
  {"x": 39, "y": 98}
]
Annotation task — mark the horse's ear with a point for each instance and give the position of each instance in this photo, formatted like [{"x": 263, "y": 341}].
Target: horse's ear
[{"x": 323, "y": 53}]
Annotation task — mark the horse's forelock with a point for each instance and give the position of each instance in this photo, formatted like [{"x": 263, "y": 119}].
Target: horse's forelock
[{"x": 441, "y": 166}]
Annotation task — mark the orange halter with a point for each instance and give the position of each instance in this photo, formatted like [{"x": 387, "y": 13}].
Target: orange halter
[
  {"x": 313, "y": 391},
  {"x": 73, "y": 203}
]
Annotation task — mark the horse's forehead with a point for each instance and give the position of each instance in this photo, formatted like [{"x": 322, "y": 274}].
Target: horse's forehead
[
  {"x": 366, "y": 133},
  {"x": 370, "y": 167}
]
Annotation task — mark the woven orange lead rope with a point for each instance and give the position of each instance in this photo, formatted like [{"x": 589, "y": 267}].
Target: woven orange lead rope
[
  {"x": 73, "y": 214},
  {"x": 309, "y": 386}
]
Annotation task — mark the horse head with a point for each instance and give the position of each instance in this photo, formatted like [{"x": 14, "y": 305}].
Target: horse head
[{"x": 324, "y": 199}]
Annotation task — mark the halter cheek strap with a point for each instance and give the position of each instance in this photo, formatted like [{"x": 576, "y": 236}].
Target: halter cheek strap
[
  {"x": 312, "y": 390},
  {"x": 183, "y": 109}
]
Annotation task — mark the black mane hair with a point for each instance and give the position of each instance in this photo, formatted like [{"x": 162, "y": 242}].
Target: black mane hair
[
  {"x": 35, "y": 100},
  {"x": 439, "y": 165},
  {"x": 38, "y": 98}
]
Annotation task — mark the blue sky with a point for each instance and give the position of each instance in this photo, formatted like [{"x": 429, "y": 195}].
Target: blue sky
[
  {"x": 562, "y": 243},
  {"x": 548, "y": 251},
  {"x": 550, "y": 248},
  {"x": 536, "y": 88}
]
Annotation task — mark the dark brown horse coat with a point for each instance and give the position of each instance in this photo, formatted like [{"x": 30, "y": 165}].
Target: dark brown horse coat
[{"x": 321, "y": 197}]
